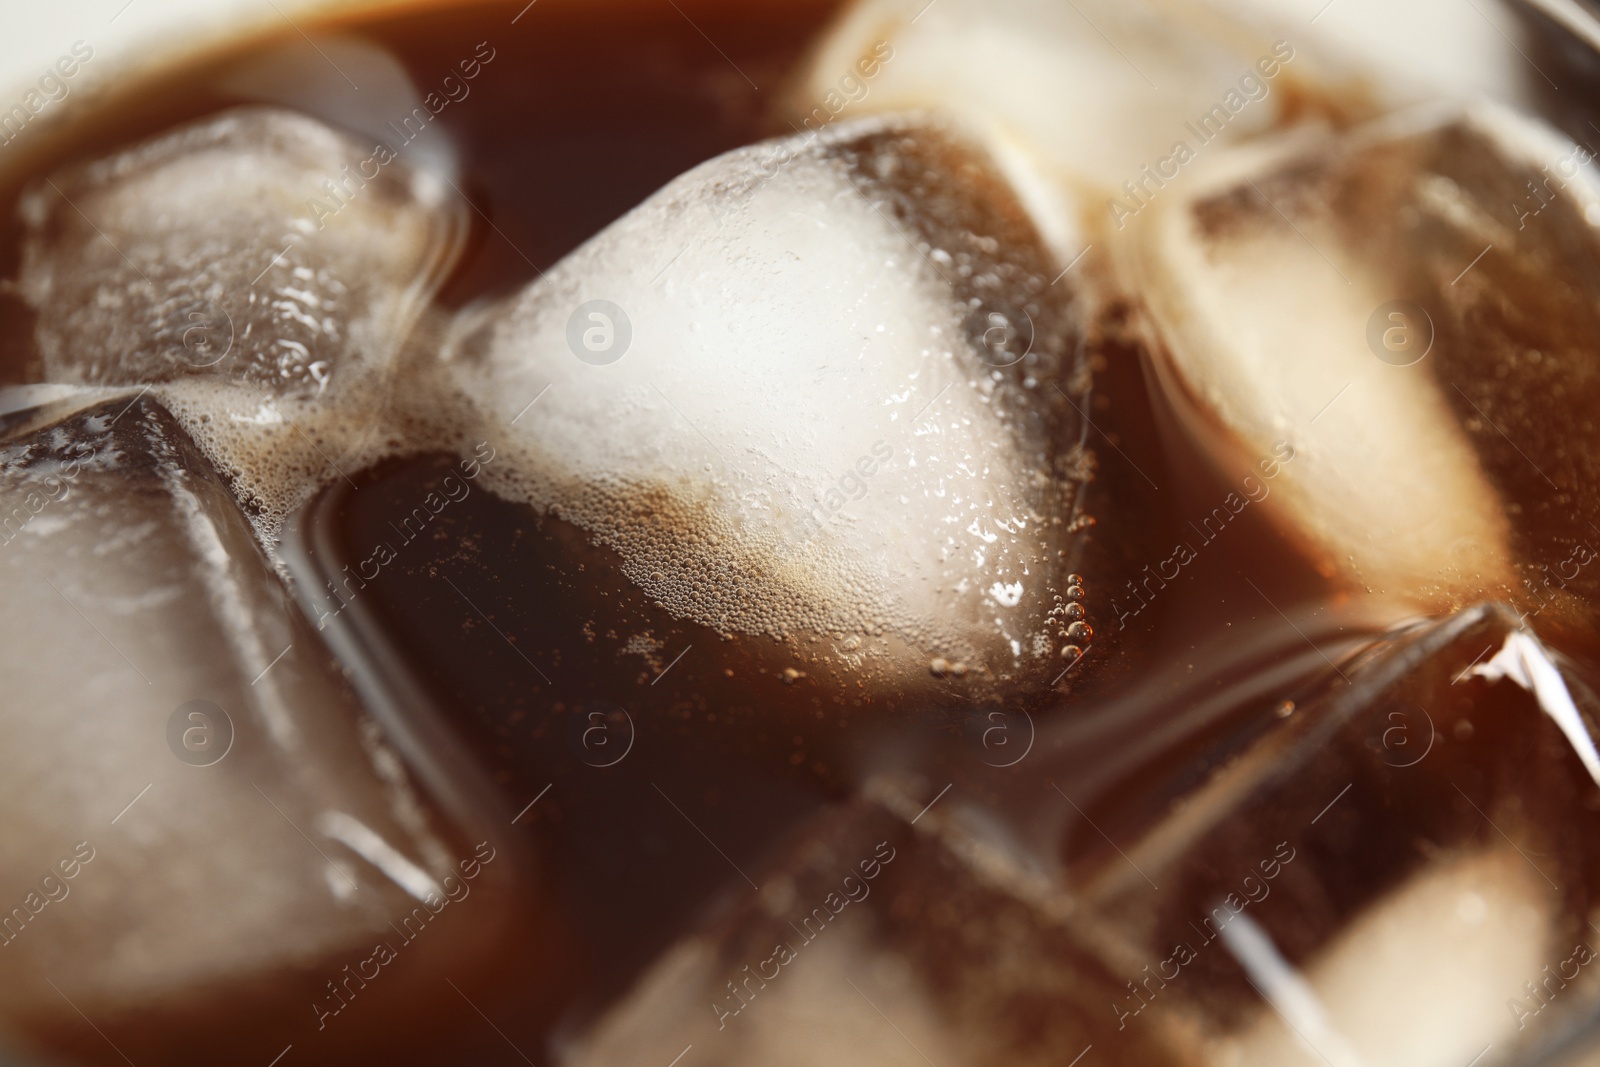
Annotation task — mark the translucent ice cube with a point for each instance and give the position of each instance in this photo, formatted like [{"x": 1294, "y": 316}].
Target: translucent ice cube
[
  {"x": 259, "y": 246},
  {"x": 254, "y": 267},
  {"x": 197, "y": 804},
  {"x": 819, "y": 391},
  {"x": 917, "y": 941},
  {"x": 350, "y": 82},
  {"x": 1099, "y": 103},
  {"x": 1406, "y": 808},
  {"x": 1410, "y": 307},
  {"x": 1079, "y": 98}
]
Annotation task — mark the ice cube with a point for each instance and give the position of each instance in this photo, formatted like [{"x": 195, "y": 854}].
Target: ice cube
[
  {"x": 1422, "y": 50},
  {"x": 1408, "y": 307},
  {"x": 1095, "y": 107},
  {"x": 876, "y": 941},
  {"x": 254, "y": 268},
  {"x": 1424, "y": 977},
  {"x": 1402, "y": 809},
  {"x": 200, "y": 809},
  {"x": 819, "y": 391},
  {"x": 824, "y": 1010},
  {"x": 350, "y": 82},
  {"x": 1077, "y": 99},
  {"x": 259, "y": 246}
]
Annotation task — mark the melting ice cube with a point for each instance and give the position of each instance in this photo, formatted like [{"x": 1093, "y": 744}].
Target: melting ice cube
[
  {"x": 199, "y": 803},
  {"x": 254, "y": 267},
  {"x": 1079, "y": 100},
  {"x": 819, "y": 390},
  {"x": 1411, "y": 307},
  {"x": 259, "y": 246}
]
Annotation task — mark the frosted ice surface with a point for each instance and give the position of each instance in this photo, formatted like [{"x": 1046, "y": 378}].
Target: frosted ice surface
[
  {"x": 220, "y": 250},
  {"x": 258, "y": 267},
  {"x": 830, "y": 397}
]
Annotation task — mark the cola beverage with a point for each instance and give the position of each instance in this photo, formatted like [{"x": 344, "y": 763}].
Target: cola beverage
[{"x": 761, "y": 536}]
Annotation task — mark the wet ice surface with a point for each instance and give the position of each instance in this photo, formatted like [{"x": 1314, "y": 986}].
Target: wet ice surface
[
  {"x": 838, "y": 406},
  {"x": 219, "y": 251},
  {"x": 1451, "y": 262},
  {"x": 239, "y": 821},
  {"x": 259, "y": 269}
]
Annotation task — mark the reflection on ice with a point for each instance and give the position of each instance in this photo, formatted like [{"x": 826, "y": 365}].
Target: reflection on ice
[{"x": 1523, "y": 660}]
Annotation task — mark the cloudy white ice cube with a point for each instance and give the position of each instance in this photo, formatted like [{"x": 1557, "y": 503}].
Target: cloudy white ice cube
[{"x": 820, "y": 390}]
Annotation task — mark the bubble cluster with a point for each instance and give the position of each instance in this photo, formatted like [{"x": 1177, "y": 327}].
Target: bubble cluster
[{"x": 1066, "y": 617}]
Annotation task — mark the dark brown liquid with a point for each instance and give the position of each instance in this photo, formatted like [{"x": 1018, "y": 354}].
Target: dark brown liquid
[{"x": 514, "y": 630}]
